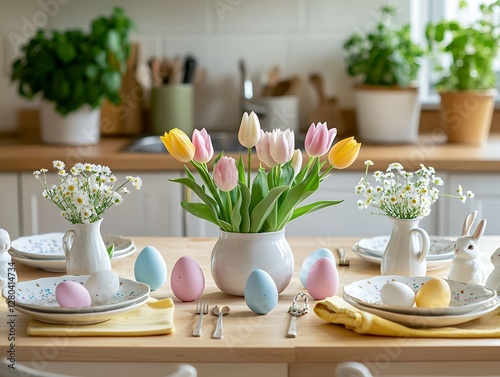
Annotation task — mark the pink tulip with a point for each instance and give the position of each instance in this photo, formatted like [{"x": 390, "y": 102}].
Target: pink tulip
[
  {"x": 282, "y": 144},
  {"x": 204, "y": 149},
  {"x": 319, "y": 139},
  {"x": 226, "y": 174},
  {"x": 263, "y": 149}
]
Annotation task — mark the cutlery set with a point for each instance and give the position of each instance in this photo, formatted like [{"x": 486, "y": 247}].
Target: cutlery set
[{"x": 202, "y": 307}]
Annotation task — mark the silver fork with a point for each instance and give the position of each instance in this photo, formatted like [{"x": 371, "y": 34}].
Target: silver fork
[
  {"x": 343, "y": 261},
  {"x": 201, "y": 308}
]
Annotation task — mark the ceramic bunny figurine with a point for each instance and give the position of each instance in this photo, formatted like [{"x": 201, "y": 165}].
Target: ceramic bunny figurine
[
  {"x": 466, "y": 266},
  {"x": 5, "y": 259},
  {"x": 493, "y": 281}
]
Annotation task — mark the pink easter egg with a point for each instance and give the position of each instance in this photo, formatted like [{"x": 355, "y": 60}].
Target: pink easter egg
[
  {"x": 323, "y": 279},
  {"x": 187, "y": 280},
  {"x": 70, "y": 294}
]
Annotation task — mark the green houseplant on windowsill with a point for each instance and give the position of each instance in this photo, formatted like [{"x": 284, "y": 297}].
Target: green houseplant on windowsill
[
  {"x": 386, "y": 62},
  {"x": 463, "y": 56},
  {"x": 73, "y": 72}
]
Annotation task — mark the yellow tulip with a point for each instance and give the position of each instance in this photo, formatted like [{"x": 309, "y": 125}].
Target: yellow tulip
[
  {"x": 344, "y": 153},
  {"x": 178, "y": 145}
]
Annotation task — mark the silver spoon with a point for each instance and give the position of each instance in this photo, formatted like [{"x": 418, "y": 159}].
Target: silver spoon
[{"x": 220, "y": 312}]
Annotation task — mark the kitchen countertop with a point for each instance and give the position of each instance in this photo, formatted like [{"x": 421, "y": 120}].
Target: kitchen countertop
[
  {"x": 16, "y": 155},
  {"x": 251, "y": 338}
]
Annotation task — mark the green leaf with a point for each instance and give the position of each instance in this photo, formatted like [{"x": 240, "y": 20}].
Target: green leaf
[
  {"x": 200, "y": 210},
  {"x": 264, "y": 208},
  {"x": 199, "y": 191},
  {"x": 65, "y": 51},
  {"x": 111, "y": 250},
  {"x": 299, "y": 211},
  {"x": 260, "y": 189},
  {"x": 112, "y": 80},
  {"x": 245, "y": 208},
  {"x": 236, "y": 215},
  {"x": 113, "y": 41}
]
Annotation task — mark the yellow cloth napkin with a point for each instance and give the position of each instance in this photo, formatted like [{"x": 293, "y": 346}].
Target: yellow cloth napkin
[
  {"x": 336, "y": 310},
  {"x": 155, "y": 317}
]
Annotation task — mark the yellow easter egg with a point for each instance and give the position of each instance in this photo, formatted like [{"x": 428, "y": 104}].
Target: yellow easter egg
[{"x": 434, "y": 293}]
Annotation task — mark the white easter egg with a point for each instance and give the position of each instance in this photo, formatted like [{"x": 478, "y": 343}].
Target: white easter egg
[
  {"x": 150, "y": 268},
  {"x": 261, "y": 294},
  {"x": 102, "y": 286},
  {"x": 396, "y": 293}
]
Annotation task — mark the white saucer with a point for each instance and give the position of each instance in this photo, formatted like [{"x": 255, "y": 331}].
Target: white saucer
[
  {"x": 429, "y": 321},
  {"x": 49, "y": 245},
  {"x": 39, "y": 295},
  {"x": 431, "y": 264},
  {"x": 80, "y": 318},
  {"x": 56, "y": 265},
  {"x": 440, "y": 247}
]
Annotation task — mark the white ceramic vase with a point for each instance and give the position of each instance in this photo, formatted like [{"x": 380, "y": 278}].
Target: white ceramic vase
[
  {"x": 406, "y": 250},
  {"x": 236, "y": 255},
  {"x": 81, "y": 127},
  {"x": 387, "y": 115},
  {"x": 85, "y": 249}
]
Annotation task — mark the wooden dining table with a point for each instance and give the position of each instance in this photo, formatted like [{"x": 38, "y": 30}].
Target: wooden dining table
[{"x": 254, "y": 344}]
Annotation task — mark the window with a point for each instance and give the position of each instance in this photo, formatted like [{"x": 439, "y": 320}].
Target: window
[{"x": 424, "y": 11}]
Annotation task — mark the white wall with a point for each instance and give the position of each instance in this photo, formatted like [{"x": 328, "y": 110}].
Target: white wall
[{"x": 301, "y": 36}]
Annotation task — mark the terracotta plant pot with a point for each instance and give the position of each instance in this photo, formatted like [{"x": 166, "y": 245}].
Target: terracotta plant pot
[
  {"x": 467, "y": 115},
  {"x": 387, "y": 115}
]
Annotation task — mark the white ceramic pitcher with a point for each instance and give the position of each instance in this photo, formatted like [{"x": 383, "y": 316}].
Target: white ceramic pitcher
[
  {"x": 404, "y": 254},
  {"x": 85, "y": 249}
]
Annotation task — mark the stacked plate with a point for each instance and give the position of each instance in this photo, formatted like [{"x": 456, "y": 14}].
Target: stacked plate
[
  {"x": 468, "y": 302},
  {"x": 440, "y": 252},
  {"x": 37, "y": 299},
  {"x": 45, "y": 251}
]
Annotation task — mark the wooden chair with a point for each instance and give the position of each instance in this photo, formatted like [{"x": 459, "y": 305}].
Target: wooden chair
[{"x": 174, "y": 370}]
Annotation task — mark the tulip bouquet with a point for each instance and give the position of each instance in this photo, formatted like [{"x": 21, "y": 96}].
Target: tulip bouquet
[{"x": 235, "y": 203}]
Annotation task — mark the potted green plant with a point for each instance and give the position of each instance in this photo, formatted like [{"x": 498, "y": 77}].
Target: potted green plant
[
  {"x": 73, "y": 72},
  {"x": 463, "y": 56},
  {"x": 386, "y": 62}
]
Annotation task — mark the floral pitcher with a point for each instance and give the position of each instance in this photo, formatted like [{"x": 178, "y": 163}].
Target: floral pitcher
[
  {"x": 85, "y": 249},
  {"x": 404, "y": 255}
]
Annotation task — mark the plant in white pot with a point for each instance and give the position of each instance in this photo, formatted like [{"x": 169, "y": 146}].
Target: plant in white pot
[
  {"x": 463, "y": 56},
  {"x": 73, "y": 72},
  {"x": 386, "y": 61}
]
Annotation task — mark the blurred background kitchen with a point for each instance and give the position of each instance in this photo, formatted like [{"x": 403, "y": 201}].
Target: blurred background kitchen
[{"x": 290, "y": 37}]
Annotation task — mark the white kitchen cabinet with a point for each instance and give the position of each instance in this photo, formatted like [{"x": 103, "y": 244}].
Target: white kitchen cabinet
[
  {"x": 152, "y": 211},
  {"x": 486, "y": 187},
  {"x": 341, "y": 220},
  {"x": 9, "y": 204}
]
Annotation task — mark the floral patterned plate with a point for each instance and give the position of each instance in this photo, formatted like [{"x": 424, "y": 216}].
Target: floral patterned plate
[
  {"x": 428, "y": 321},
  {"x": 440, "y": 248},
  {"x": 39, "y": 295},
  {"x": 464, "y": 297},
  {"x": 49, "y": 245}
]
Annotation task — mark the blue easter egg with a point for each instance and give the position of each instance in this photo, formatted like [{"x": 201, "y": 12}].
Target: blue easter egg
[
  {"x": 310, "y": 260},
  {"x": 150, "y": 268},
  {"x": 261, "y": 294}
]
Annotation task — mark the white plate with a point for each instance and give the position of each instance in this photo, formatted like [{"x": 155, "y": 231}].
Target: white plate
[
  {"x": 80, "y": 318},
  {"x": 49, "y": 245},
  {"x": 429, "y": 321},
  {"x": 39, "y": 295},
  {"x": 431, "y": 264},
  {"x": 464, "y": 297},
  {"x": 55, "y": 265},
  {"x": 440, "y": 247}
]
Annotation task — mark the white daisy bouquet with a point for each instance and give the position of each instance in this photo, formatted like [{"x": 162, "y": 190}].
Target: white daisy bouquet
[
  {"x": 85, "y": 192},
  {"x": 402, "y": 194}
]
